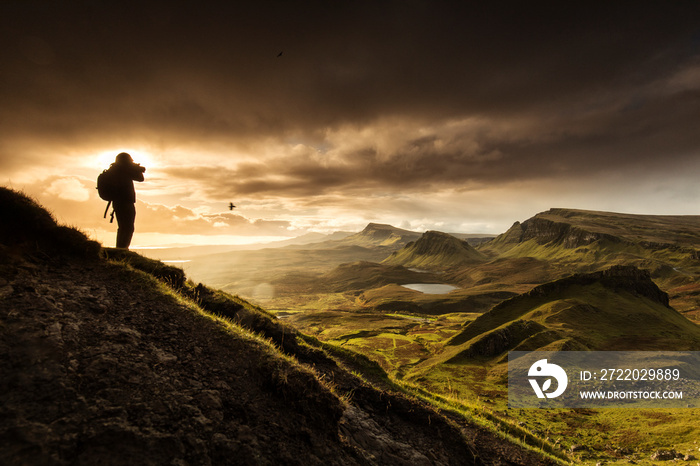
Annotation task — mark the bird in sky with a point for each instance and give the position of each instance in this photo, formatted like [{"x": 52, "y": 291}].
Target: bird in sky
[
  {"x": 280, "y": 54},
  {"x": 231, "y": 206}
]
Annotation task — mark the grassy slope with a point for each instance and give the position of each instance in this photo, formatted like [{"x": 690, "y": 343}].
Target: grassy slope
[
  {"x": 522, "y": 266},
  {"x": 397, "y": 298},
  {"x": 357, "y": 276},
  {"x": 573, "y": 314},
  {"x": 258, "y": 320},
  {"x": 376, "y": 234},
  {"x": 590, "y": 315}
]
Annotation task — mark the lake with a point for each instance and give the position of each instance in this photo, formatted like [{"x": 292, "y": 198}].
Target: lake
[{"x": 431, "y": 288}]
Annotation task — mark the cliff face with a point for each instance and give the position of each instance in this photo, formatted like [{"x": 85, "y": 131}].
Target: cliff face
[
  {"x": 545, "y": 231},
  {"x": 550, "y": 232},
  {"x": 571, "y": 228},
  {"x": 583, "y": 241}
]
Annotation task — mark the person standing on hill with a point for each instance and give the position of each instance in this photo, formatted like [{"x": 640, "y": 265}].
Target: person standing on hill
[{"x": 125, "y": 172}]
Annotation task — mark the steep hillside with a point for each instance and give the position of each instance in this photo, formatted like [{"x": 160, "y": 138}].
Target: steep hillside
[
  {"x": 574, "y": 228},
  {"x": 571, "y": 229},
  {"x": 617, "y": 309},
  {"x": 110, "y": 358},
  {"x": 435, "y": 250}
]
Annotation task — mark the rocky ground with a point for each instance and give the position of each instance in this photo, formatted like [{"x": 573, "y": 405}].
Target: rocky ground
[{"x": 99, "y": 373}]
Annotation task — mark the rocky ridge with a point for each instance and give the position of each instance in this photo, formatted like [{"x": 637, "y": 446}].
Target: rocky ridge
[{"x": 571, "y": 229}]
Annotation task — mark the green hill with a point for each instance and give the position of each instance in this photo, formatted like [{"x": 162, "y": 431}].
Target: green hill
[
  {"x": 616, "y": 309},
  {"x": 111, "y": 358},
  {"x": 435, "y": 250}
]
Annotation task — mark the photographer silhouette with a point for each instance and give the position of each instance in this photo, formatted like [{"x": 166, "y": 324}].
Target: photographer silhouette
[{"x": 125, "y": 172}]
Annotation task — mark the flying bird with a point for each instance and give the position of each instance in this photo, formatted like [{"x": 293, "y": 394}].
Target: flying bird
[
  {"x": 280, "y": 54},
  {"x": 231, "y": 206}
]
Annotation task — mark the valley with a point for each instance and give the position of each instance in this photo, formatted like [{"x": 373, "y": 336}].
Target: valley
[{"x": 563, "y": 280}]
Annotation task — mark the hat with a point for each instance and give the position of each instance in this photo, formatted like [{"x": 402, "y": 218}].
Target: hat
[{"x": 123, "y": 157}]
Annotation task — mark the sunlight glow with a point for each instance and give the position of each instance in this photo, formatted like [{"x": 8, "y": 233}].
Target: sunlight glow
[
  {"x": 106, "y": 158},
  {"x": 162, "y": 240}
]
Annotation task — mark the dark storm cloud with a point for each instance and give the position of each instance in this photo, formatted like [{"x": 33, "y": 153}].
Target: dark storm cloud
[
  {"x": 645, "y": 137},
  {"x": 580, "y": 87}
]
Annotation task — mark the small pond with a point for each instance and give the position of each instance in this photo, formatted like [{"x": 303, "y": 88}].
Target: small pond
[{"x": 431, "y": 288}]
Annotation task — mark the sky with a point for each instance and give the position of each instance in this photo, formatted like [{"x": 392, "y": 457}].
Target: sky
[{"x": 324, "y": 116}]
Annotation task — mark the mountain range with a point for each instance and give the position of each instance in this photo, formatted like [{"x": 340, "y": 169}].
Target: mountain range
[
  {"x": 549, "y": 246},
  {"x": 560, "y": 242}
]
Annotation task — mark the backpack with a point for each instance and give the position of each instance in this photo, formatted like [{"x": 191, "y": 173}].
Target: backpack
[
  {"x": 107, "y": 189},
  {"x": 106, "y": 185}
]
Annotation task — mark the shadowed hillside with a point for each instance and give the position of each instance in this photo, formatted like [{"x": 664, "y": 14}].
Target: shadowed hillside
[{"x": 112, "y": 358}]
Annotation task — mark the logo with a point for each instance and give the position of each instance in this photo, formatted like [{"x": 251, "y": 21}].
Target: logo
[{"x": 543, "y": 369}]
